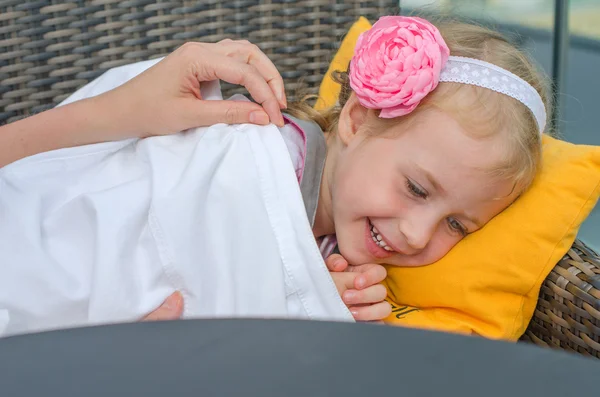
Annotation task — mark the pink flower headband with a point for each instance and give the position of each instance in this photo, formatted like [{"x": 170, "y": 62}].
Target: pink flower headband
[{"x": 402, "y": 59}]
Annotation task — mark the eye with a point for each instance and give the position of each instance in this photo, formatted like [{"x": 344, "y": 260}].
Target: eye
[
  {"x": 456, "y": 227},
  {"x": 416, "y": 190}
]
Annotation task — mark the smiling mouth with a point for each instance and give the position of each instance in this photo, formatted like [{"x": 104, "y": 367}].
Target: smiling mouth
[{"x": 378, "y": 238}]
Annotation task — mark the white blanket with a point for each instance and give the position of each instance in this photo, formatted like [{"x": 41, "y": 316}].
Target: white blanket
[{"x": 104, "y": 233}]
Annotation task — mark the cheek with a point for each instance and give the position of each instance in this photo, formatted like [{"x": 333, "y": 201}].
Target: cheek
[
  {"x": 441, "y": 243},
  {"x": 372, "y": 189}
]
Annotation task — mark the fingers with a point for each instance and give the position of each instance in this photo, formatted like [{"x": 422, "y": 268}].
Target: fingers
[
  {"x": 171, "y": 309},
  {"x": 343, "y": 281},
  {"x": 246, "y": 75},
  {"x": 229, "y": 112},
  {"x": 252, "y": 55},
  {"x": 371, "y": 274},
  {"x": 260, "y": 91},
  {"x": 375, "y": 312},
  {"x": 336, "y": 263},
  {"x": 267, "y": 69},
  {"x": 373, "y": 294}
]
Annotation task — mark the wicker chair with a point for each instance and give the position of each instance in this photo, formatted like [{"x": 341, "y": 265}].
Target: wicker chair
[{"x": 49, "y": 48}]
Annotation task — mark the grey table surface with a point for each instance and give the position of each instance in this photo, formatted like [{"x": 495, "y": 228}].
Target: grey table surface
[{"x": 281, "y": 358}]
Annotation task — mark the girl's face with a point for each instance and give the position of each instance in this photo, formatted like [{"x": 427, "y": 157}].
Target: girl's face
[{"x": 417, "y": 192}]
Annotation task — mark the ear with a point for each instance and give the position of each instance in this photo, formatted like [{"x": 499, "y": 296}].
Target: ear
[{"x": 352, "y": 117}]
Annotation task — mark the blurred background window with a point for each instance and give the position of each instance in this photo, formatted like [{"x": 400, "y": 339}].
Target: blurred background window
[{"x": 563, "y": 36}]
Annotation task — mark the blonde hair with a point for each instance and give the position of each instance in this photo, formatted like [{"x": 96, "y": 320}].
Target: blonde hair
[{"x": 486, "y": 114}]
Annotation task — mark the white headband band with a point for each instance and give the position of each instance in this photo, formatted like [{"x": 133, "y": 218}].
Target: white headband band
[{"x": 486, "y": 75}]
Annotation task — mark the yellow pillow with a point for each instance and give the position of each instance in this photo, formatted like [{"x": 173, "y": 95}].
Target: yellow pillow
[
  {"x": 489, "y": 283},
  {"x": 329, "y": 89}
]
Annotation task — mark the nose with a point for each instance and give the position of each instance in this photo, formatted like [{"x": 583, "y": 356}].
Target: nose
[{"x": 417, "y": 232}]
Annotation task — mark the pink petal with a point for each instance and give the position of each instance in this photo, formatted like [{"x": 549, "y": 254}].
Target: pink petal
[
  {"x": 406, "y": 51},
  {"x": 422, "y": 80}
]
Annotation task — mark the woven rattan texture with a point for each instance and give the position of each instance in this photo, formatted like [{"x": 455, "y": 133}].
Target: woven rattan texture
[
  {"x": 568, "y": 312},
  {"x": 48, "y": 49}
]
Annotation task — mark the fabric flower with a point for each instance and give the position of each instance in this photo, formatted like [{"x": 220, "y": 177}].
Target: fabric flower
[{"x": 396, "y": 63}]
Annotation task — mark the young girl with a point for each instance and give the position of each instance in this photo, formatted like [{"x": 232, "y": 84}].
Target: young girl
[
  {"x": 411, "y": 167},
  {"x": 414, "y": 165}
]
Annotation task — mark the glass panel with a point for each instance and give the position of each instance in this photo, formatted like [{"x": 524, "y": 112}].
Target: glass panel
[
  {"x": 584, "y": 18},
  {"x": 581, "y": 116},
  {"x": 530, "y": 13},
  {"x": 531, "y": 20}
]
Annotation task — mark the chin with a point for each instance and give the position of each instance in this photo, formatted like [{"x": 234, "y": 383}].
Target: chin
[{"x": 354, "y": 257}]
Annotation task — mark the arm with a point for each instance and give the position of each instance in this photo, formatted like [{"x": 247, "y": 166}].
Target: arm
[
  {"x": 164, "y": 99},
  {"x": 79, "y": 123}
]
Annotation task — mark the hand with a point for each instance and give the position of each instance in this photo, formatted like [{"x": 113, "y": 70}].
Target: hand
[
  {"x": 360, "y": 288},
  {"x": 170, "y": 309},
  {"x": 166, "y": 98},
  {"x": 357, "y": 285}
]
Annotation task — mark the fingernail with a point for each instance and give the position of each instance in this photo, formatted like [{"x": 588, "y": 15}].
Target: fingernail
[
  {"x": 360, "y": 282},
  {"x": 349, "y": 296},
  {"x": 280, "y": 94},
  {"x": 283, "y": 99},
  {"x": 259, "y": 117}
]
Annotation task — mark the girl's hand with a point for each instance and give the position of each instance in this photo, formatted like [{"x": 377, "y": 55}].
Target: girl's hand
[{"x": 360, "y": 288}]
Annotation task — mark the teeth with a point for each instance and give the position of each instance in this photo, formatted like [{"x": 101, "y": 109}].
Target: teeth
[{"x": 378, "y": 239}]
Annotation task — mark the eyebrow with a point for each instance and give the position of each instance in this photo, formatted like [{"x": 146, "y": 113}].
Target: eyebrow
[
  {"x": 436, "y": 185},
  {"x": 430, "y": 178}
]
